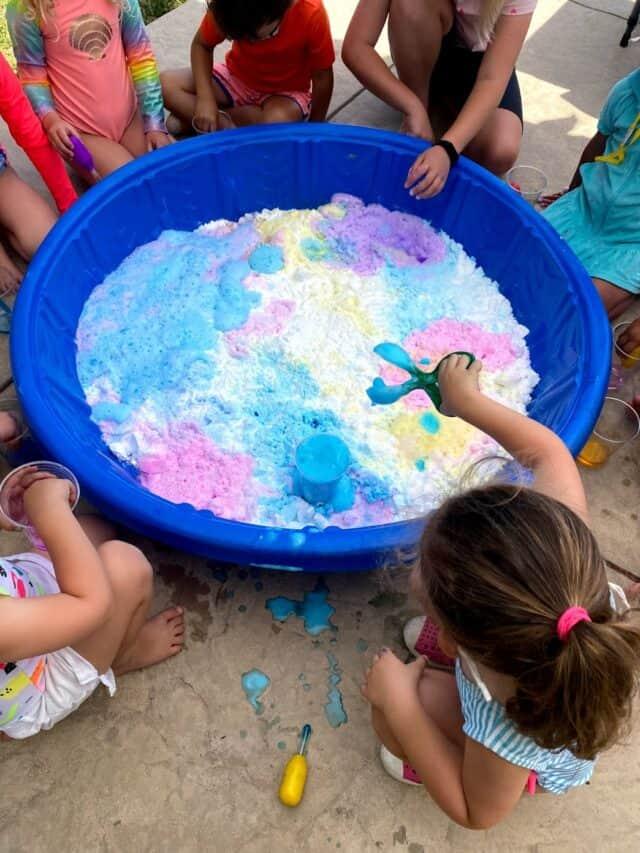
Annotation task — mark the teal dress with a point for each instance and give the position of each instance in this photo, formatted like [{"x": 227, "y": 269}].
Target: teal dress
[{"x": 600, "y": 219}]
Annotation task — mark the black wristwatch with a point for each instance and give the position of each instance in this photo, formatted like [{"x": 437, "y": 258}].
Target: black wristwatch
[{"x": 450, "y": 148}]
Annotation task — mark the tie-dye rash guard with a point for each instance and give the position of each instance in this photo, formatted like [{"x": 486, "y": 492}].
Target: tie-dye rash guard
[{"x": 91, "y": 61}]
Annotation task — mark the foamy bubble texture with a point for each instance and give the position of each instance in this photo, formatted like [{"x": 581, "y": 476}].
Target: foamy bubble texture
[{"x": 207, "y": 357}]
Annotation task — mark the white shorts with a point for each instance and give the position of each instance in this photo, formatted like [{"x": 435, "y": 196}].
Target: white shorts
[{"x": 69, "y": 680}]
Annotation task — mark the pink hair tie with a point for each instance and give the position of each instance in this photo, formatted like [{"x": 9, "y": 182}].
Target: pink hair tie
[{"x": 569, "y": 619}]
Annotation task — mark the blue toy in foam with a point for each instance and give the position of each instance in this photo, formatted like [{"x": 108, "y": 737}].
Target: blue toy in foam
[{"x": 227, "y": 175}]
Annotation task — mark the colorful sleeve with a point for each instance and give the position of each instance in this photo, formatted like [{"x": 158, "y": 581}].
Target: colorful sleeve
[
  {"x": 28, "y": 133},
  {"x": 28, "y": 47},
  {"x": 142, "y": 66},
  {"x": 321, "y": 51}
]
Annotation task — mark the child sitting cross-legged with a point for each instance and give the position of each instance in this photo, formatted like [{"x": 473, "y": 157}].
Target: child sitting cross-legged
[
  {"x": 73, "y": 616},
  {"x": 279, "y": 68}
]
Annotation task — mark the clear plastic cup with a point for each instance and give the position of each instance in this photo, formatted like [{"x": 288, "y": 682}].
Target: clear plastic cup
[
  {"x": 11, "y": 504},
  {"x": 321, "y": 463},
  {"x": 11, "y": 407},
  {"x": 528, "y": 181},
  {"x": 618, "y": 424},
  {"x": 623, "y": 364}
]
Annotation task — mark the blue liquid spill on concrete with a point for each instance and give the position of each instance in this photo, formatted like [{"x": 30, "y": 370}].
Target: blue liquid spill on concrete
[
  {"x": 334, "y": 708},
  {"x": 254, "y": 684},
  {"x": 314, "y": 609},
  {"x": 362, "y": 646}
]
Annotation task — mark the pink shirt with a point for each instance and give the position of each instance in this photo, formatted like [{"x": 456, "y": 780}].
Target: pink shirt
[
  {"x": 469, "y": 18},
  {"x": 87, "y": 67}
]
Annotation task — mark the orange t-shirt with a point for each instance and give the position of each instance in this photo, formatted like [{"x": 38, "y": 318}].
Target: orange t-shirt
[{"x": 286, "y": 62}]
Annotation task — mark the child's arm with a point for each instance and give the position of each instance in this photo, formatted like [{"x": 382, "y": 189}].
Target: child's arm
[
  {"x": 321, "y": 56},
  {"x": 472, "y": 785},
  {"x": 321, "y": 92},
  {"x": 28, "y": 133},
  {"x": 533, "y": 445},
  {"x": 594, "y": 148},
  {"x": 28, "y": 47},
  {"x": 144, "y": 72},
  {"x": 431, "y": 169},
  {"x": 360, "y": 56},
  {"x": 32, "y": 626},
  {"x": 202, "y": 47}
]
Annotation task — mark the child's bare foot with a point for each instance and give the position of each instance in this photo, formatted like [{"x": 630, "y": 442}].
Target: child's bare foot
[{"x": 160, "y": 638}]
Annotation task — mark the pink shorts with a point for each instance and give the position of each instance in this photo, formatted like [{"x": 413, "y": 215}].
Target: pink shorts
[{"x": 241, "y": 95}]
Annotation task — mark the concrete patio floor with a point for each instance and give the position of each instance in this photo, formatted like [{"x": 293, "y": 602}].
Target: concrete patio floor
[{"x": 178, "y": 760}]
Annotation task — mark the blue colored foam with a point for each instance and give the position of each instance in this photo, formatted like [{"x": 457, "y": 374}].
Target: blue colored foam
[{"x": 183, "y": 186}]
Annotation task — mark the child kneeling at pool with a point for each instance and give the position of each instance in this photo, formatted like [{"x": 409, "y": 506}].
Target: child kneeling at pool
[
  {"x": 545, "y": 659},
  {"x": 279, "y": 68},
  {"x": 72, "y": 617}
]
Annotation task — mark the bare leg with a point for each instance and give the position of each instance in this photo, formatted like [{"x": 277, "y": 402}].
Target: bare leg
[
  {"x": 26, "y": 216},
  {"x": 133, "y": 139},
  {"x": 10, "y": 275},
  {"x": 497, "y": 145},
  {"x": 129, "y": 640},
  {"x": 416, "y": 30},
  {"x": 385, "y": 735},
  {"x": 439, "y": 697},
  {"x": 179, "y": 93},
  {"x": 280, "y": 110},
  {"x": 109, "y": 155},
  {"x": 615, "y": 299}
]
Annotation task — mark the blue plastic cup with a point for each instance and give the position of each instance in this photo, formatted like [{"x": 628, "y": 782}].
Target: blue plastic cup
[{"x": 321, "y": 462}]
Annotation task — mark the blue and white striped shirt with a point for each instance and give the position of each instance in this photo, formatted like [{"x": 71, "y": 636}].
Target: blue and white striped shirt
[{"x": 488, "y": 724}]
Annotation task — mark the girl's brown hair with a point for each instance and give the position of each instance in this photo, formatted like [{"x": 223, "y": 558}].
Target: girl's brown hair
[{"x": 499, "y": 565}]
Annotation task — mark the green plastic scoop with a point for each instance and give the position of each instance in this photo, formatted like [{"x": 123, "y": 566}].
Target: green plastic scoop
[{"x": 382, "y": 394}]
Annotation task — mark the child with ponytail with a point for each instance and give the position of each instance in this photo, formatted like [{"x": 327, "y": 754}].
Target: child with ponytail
[{"x": 539, "y": 659}]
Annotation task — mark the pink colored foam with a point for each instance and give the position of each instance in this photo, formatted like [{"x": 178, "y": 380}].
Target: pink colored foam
[
  {"x": 495, "y": 350},
  {"x": 191, "y": 468},
  {"x": 261, "y": 324}
]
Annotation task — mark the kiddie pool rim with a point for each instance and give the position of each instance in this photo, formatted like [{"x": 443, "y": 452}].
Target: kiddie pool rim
[{"x": 191, "y": 530}]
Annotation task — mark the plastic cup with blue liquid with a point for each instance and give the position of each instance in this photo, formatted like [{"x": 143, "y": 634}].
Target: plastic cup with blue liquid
[{"x": 321, "y": 462}]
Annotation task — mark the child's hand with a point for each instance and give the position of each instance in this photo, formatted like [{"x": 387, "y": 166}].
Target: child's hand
[
  {"x": 458, "y": 384},
  {"x": 59, "y": 133},
  {"x": 205, "y": 116},
  {"x": 388, "y": 677},
  {"x": 157, "y": 139},
  {"x": 429, "y": 173},
  {"x": 42, "y": 491},
  {"x": 629, "y": 340},
  {"x": 417, "y": 124}
]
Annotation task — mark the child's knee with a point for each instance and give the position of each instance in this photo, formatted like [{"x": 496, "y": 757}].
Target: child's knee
[
  {"x": 281, "y": 114},
  {"x": 127, "y": 566},
  {"x": 500, "y": 155}
]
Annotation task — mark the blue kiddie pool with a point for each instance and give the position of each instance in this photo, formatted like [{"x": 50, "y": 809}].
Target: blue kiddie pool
[{"x": 226, "y": 176}]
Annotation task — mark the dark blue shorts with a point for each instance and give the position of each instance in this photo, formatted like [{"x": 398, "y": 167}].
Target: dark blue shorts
[{"x": 455, "y": 76}]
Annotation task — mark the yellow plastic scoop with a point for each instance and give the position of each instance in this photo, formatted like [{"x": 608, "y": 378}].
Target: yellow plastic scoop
[{"x": 294, "y": 777}]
